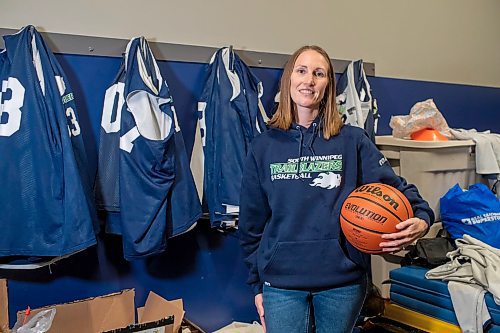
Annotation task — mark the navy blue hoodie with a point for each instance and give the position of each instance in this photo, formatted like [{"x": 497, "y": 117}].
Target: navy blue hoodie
[{"x": 289, "y": 211}]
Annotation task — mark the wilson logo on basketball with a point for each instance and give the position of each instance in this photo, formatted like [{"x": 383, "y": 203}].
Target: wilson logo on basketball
[{"x": 375, "y": 190}]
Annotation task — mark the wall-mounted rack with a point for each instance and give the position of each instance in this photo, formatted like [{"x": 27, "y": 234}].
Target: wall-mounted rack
[{"x": 114, "y": 47}]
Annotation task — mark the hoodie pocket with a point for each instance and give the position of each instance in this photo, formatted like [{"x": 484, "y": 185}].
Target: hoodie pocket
[{"x": 318, "y": 260}]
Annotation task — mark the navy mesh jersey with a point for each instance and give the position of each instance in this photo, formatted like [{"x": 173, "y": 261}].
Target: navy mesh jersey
[
  {"x": 143, "y": 172},
  {"x": 45, "y": 194},
  {"x": 230, "y": 116}
]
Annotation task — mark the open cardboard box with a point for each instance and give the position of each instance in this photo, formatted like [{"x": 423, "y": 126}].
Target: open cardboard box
[
  {"x": 157, "y": 315},
  {"x": 4, "y": 307},
  {"x": 93, "y": 315},
  {"x": 109, "y": 313},
  {"x": 157, "y": 307}
]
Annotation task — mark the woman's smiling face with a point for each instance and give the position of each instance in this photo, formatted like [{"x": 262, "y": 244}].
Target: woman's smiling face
[{"x": 309, "y": 80}]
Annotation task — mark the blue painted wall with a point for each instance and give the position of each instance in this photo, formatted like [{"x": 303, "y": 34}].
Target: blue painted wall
[
  {"x": 204, "y": 266},
  {"x": 462, "y": 106}
]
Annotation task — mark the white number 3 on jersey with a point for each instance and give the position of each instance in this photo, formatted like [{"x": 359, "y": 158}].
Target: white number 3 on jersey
[
  {"x": 70, "y": 113},
  {"x": 10, "y": 106},
  {"x": 12, "y": 100}
]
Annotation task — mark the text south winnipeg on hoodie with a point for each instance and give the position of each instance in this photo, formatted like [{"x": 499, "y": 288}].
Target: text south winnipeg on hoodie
[{"x": 289, "y": 214}]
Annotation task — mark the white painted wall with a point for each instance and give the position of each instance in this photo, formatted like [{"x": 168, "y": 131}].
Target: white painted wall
[{"x": 456, "y": 41}]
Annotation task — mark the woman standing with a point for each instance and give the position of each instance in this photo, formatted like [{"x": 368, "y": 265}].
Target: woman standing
[{"x": 296, "y": 177}]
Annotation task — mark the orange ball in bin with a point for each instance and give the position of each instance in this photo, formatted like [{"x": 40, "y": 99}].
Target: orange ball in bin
[
  {"x": 428, "y": 134},
  {"x": 370, "y": 211}
]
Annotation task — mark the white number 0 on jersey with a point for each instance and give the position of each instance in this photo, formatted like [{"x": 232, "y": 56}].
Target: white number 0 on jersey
[{"x": 152, "y": 123}]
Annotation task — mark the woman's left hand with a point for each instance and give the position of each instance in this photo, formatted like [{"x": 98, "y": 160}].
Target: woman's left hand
[{"x": 409, "y": 231}]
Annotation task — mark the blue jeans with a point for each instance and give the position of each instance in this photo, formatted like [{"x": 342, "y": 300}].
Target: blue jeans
[{"x": 335, "y": 310}]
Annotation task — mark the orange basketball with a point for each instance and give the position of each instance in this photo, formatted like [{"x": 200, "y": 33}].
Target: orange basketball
[{"x": 370, "y": 211}]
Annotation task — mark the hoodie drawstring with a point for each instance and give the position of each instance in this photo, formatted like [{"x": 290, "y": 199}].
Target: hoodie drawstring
[
  {"x": 300, "y": 151},
  {"x": 309, "y": 145},
  {"x": 313, "y": 136}
]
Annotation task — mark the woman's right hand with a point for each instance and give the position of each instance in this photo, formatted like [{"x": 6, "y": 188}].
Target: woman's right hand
[{"x": 259, "y": 304}]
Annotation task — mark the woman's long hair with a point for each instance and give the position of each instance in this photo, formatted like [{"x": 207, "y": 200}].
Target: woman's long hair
[{"x": 285, "y": 113}]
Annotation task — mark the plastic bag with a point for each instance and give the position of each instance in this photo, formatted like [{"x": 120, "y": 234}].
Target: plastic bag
[
  {"x": 39, "y": 323},
  {"x": 475, "y": 212},
  {"x": 422, "y": 115}
]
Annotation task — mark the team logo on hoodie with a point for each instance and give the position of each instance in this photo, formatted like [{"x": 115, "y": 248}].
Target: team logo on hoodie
[
  {"x": 329, "y": 180},
  {"x": 318, "y": 168}
]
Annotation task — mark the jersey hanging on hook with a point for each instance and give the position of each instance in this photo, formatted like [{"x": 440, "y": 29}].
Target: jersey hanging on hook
[
  {"x": 230, "y": 116},
  {"x": 355, "y": 102},
  {"x": 143, "y": 172},
  {"x": 48, "y": 209}
]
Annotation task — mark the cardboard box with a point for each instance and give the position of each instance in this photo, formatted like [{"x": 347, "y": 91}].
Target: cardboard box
[
  {"x": 114, "y": 313},
  {"x": 4, "y": 307},
  {"x": 93, "y": 315},
  {"x": 157, "y": 316},
  {"x": 157, "y": 307},
  {"x": 164, "y": 325}
]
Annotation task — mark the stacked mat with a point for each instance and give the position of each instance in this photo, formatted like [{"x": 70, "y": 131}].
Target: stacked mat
[{"x": 411, "y": 290}]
